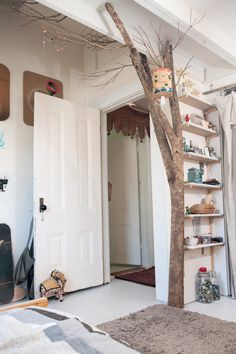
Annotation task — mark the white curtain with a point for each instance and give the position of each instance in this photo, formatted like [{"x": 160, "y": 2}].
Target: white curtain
[{"x": 226, "y": 106}]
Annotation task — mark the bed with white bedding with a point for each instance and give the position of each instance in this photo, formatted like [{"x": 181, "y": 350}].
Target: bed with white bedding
[{"x": 38, "y": 330}]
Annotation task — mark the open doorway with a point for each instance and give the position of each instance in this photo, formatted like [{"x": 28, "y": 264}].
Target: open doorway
[{"x": 130, "y": 197}]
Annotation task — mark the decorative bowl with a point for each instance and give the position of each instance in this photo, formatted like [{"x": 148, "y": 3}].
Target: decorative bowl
[{"x": 190, "y": 241}]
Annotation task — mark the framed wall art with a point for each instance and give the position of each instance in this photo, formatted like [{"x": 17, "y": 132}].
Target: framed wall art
[{"x": 4, "y": 92}]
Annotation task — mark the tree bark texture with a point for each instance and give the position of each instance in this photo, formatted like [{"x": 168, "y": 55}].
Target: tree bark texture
[
  {"x": 176, "y": 264},
  {"x": 169, "y": 138}
]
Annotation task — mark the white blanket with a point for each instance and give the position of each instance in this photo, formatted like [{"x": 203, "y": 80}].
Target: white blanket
[{"x": 21, "y": 338}]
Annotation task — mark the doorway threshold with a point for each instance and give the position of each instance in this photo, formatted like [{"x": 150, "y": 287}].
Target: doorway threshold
[{"x": 118, "y": 269}]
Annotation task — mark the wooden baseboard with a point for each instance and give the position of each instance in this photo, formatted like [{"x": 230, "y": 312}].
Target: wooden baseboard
[{"x": 42, "y": 302}]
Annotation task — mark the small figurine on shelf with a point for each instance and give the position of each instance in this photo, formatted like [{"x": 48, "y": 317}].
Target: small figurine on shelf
[
  {"x": 190, "y": 241},
  {"x": 212, "y": 152},
  {"x": 187, "y": 210},
  {"x": 188, "y": 147},
  {"x": 210, "y": 199},
  {"x": 196, "y": 119},
  {"x": 206, "y": 150},
  {"x": 195, "y": 92},
  {"x": 186, "y": 86},
  {"x": 183, "y": 89},
  {"x": 187, "y": 119},
  {"x": 212, "y": 126},
  {"x": 184, "y": 143},
  {"x": 195, "y": 175},
  {"x": 192, "y": 145}
]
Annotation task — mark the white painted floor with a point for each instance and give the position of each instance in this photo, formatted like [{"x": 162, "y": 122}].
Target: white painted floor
[
  {"x": 120, "y": 298},
  {"x": 107, "y": 302},
  {"x": 225, "y": 308}
]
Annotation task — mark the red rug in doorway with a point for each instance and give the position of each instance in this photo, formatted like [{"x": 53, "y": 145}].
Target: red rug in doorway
[{"x": 143, "y": 276}]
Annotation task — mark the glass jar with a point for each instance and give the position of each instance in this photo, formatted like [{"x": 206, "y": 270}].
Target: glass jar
[
  {"x": 215, "y": 286},
  {"x": 204, "y": 291}
]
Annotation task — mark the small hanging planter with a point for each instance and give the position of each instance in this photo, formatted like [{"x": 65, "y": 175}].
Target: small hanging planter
[{"x": 162, "y": 82}]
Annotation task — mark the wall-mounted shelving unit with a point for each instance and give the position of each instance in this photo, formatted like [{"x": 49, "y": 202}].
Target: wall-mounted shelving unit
[
  {"x": 196, "y": 129},
  {"x": 192, "y": 185},
  {"x": 192, "y": 216},
  {"x": 211, "y": 255},
  {"x": 198, "y": 103},
  {"x": 201, "y": 158},
  {"x": 207, "y": 245}
]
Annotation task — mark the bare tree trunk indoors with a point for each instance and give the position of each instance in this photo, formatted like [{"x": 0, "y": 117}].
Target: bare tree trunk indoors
[
  {"x": 169, "y": 138},
  {"x": 176, "y": 265}
]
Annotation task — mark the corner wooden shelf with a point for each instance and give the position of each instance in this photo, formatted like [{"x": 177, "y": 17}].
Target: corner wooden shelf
[
  {"x": 204, "y": 245},
  {"x": 201, "y": 158},
  {"x": 199, "y": 130},
  {"x": 197, "y": 102},
  {"x": 192, "y": 216},
  {"x": 192, "y": 185},
  {"x": 202, "y": 223}
]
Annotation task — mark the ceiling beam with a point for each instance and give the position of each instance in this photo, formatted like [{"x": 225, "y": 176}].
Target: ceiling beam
[
  {"x": 87, "y": 14},
  {"x": 177, "y": 13},
  {"x": 94, "y": 15}
]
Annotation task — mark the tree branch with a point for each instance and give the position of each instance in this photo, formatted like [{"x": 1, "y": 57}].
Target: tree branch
[
  {"x": 174, "y": 102},
  {"x": 116, "y": 71},
  {"x": 193, "y": 23},
  {"x": 187, "y": 66},
  {"x": 162, "y": 140},
  {"x": 143, "y": 39},
  {"x": 138, "y": 65},
  {"x": 164, "y": 148}
]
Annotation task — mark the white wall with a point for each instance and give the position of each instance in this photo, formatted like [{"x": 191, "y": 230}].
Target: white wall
[
  {"x": 21, "y": 50},
  {"x": 161, "y": 219},
  {"x": 127, "y": 83}
]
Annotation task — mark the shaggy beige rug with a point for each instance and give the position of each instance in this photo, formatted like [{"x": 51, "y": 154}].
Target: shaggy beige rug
[{"x": 160, "y": 329}]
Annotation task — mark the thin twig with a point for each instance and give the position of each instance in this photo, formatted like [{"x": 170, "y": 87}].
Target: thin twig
[
  {"x": 187, "y": 66},
  {"x": 101, "y": 73},
  {"x": 191, "y": 25},
  {"x": 149, "y": 49},
  {"x": 151, "y": 57},
  {"x": 148, "y": 45},
  {"x": 117, "y": 71},
  {"x": 61, "y": 33},
  {"x": 159, "y": 40},
  {"x": 28, "y": 11}
]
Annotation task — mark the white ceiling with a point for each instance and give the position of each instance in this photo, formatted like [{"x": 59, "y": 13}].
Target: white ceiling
[
  {"x": 221, "y": 13},
  {"x": 212, "y": 42}
]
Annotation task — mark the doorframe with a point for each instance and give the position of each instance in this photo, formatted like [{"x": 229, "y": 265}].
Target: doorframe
[{"x": 136, "y": 95}]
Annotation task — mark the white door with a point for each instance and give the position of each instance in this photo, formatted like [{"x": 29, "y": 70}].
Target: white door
[
  {"x": 124, "y": 217},
  {"x": 67, "y": 175}
]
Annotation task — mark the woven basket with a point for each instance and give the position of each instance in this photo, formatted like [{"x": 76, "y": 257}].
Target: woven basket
[{"x": 203, "y": 208}]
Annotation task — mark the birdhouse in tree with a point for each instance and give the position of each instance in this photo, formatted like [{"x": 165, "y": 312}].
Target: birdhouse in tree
[{"x": 162, "y": 81}]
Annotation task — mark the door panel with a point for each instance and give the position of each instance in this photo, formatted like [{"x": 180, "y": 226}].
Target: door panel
[
  {"x": 67, "y": 174},
  {"x": 124, "y": 204}
]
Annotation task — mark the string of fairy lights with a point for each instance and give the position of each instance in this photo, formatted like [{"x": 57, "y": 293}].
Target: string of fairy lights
[
  {"x": 54, "y": 26},
  {"x": 60, "y": 37}
]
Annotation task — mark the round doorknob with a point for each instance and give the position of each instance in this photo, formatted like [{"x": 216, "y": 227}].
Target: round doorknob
[{"x": 43, "y": 207}]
